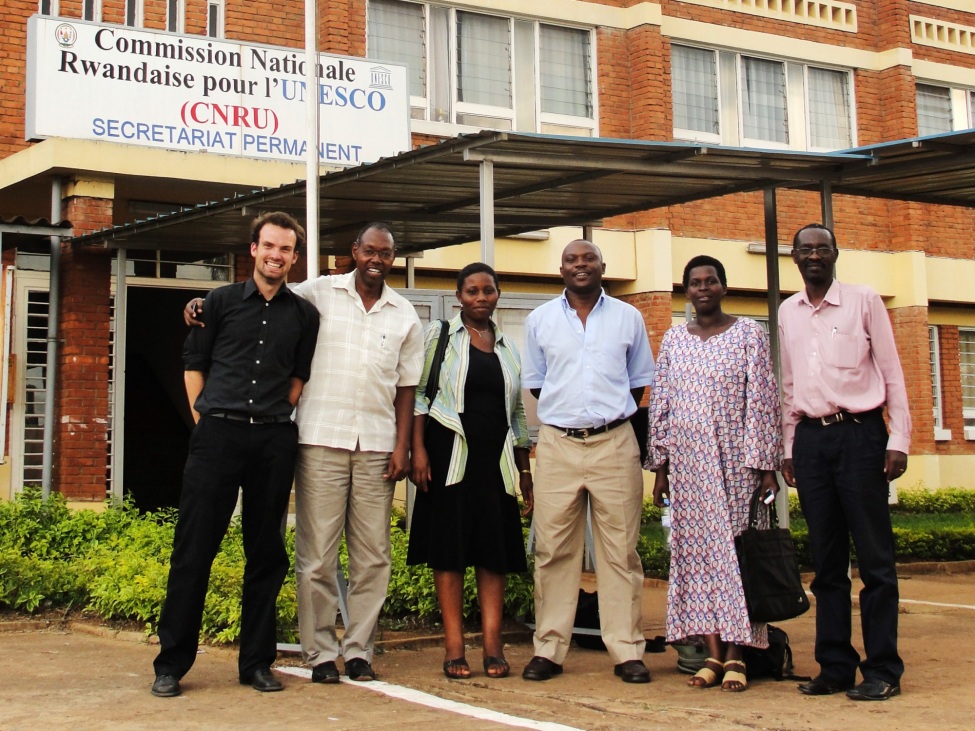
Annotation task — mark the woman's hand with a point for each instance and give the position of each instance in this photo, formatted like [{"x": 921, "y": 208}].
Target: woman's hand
[
  {"x": 661, "y": 486},
  {"x": 768, "y": 482},
  {"x": 527, "y": 487},
  {"x": 420, "y": 472}
]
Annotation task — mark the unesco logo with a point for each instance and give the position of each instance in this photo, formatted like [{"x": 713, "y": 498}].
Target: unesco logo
[
  {"x": 66, "y": 35},
  {"x": 380, "y": 78}
]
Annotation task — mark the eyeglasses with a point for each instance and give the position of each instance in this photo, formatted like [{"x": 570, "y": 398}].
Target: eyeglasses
[
  {"x": 384, "y": 254},
  {"x": 822, "y": 251}
]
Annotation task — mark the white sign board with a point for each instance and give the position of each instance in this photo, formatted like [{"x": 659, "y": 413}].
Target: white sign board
[{"x": 195, "y": 93}]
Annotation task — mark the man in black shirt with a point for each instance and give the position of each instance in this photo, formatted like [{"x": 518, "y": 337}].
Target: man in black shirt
[{"x": 244, "y": 373}]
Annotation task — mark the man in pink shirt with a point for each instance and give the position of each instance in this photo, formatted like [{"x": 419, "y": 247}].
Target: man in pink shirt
[{"x": 839, "y": 369}]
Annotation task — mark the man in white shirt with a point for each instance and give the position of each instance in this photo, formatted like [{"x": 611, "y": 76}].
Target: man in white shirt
[{"x": 354, "y": 428}]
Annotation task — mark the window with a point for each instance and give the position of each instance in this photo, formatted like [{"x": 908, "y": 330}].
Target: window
[
  {"x": 48, "y": 7},
  {"x": 734, "y": 99},
  {"x": 174, "y": 16},
  {"x": 565, "y": 71},
  {"x": 91, "y": 10},
  {"x": 133, "y": 13},
  {"x": 941, "y": 109},
  {"x": 215, "y": 18},
  {"x": 694, "y": 85},
  {"x": 178, "y": 265},
  {"x": 487, "y": 71},
  {"x": 934, "y": 349},
  {"x": 966, "y": 347},
  {"x": 829, "y": 108},
  {"x": 763, "y": 100},
  {"x": 933, "y": 110}
]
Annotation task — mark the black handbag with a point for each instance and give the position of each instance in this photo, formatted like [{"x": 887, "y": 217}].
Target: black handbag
[
  {"x": 769, "y": 568},
  {"x": 433, "y": 380}
]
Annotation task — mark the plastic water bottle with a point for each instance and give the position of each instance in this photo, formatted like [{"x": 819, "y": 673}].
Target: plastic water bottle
[{"x": 665, "y": 521}]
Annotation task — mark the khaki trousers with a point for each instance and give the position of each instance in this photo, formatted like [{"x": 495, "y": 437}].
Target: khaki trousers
[
  {"x": 604, "y": 472},
  {"x": 337, "y": 490}
]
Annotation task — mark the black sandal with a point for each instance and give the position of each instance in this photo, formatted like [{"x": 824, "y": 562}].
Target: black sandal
[
  {"x": 457, "y": 669},
  {"x": 496, "y": 662}
]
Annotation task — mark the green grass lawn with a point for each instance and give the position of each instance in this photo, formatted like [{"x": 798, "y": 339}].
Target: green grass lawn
[{"x": 918, "y": 521}]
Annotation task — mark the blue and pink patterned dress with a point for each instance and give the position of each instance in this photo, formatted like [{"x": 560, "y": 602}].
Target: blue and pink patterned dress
[{"x": 714, "y": 414}]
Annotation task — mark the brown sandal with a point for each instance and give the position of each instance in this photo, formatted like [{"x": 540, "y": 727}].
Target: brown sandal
[
  {"x": 706, "y": 674},
  {"x": 496, "y": 667},
  {"x": 457, "y": 669},
  {"x": 734, "y": 676}
]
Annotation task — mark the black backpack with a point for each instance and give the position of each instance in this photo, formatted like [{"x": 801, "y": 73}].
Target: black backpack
[{"x": 773, "y": 662}]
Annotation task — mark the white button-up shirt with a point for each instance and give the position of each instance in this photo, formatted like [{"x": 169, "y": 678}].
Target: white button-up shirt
[{"x": 361, "y": 359}]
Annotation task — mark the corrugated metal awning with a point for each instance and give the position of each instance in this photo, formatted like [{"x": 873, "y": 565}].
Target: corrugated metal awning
[
  {"x": 18, "y": 232},
  {"x": 431, "y": 195}
]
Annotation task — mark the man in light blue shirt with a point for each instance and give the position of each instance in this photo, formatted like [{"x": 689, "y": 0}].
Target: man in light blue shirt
[{"x": 587, "y": 360}]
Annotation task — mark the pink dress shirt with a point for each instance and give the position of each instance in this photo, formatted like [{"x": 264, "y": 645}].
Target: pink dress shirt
[{"x": 841, "y": 356}]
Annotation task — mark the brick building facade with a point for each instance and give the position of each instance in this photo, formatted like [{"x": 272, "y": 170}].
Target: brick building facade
[{"x": 817, "y": 75}]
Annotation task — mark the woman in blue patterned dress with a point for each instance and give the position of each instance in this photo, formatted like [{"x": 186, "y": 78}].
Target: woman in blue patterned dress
[{"x": 714, "y": 440}]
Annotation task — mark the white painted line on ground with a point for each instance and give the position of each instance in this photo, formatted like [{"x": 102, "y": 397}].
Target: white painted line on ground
[
  {"x": 937, "y": 604},
  {"x": 431, "y": 701}
]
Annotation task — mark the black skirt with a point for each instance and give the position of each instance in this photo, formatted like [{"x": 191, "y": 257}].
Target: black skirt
[{"x": 474, "y": 522}]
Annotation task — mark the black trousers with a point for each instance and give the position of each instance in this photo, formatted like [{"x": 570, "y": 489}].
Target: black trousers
[
  {"x": 224, "y": 456},
  {"x": 839, "y": 473}
]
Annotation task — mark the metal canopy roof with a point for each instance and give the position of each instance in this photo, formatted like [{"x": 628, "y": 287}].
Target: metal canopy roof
[
  {"x": 18, "y": 232},
  {"x": 432, "y": 196}
]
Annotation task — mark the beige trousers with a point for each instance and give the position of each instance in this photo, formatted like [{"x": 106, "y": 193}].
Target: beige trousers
[
  {"x": 604, "y": 472},
  {"x": 337, "y": 490}
]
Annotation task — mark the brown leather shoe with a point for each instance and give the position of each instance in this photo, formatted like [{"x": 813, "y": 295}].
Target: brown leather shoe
[
  {"x": 540, "y": 668},
  {"x": 632, "y": 671}
]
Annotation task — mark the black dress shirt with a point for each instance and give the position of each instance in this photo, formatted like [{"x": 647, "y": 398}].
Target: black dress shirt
[{"x": 251, "y": 348}]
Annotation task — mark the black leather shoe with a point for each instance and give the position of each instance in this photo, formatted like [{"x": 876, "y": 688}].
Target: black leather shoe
[
  {"x": 874, "y": 690},
  {"x": 358, "y": 668},
  {"x": 540, "y": 668},
  {"x": 263, "y": 680},
  {"x": 327, "y": 672},
  {"x": 165, "y": 686},
  {"x": 823, "y": 686},
  {"x": 632, "y": 671}
]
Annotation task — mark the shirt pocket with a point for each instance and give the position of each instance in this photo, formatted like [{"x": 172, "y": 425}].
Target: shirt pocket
[
  {"x": 383, "y": 350},
  {"x": 843, "y": 350}
]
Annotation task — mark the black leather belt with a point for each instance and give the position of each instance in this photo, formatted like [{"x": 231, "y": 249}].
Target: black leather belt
[
  {"x": 842, "y": 416},
  {"x": 591, "y": 430},
  {"x": 241, "y": 416}
]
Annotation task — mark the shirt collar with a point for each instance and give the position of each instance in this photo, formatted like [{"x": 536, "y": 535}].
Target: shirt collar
[
  {"x": 566, "y": 305},
  {"x": 250, "y": 289},
  {"x": 832, "y": 295},
  {"x": 347, "y": 282}
]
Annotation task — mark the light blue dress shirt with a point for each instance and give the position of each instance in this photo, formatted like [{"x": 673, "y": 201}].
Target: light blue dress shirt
[{"x": 586, "y": 373}]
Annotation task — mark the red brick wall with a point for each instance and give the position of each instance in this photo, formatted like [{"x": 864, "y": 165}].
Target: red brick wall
[
  {"x": 911, "y": 335},
  {"x": 81, "y": 446}
]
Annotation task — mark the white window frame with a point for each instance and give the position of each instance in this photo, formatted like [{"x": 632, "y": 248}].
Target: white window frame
[
  {"x": 693, "y": 134},
  {"x": 138, "y": 8},
  {"x": 53, "y": 11},
  {"x": 96, "y": 10},
  {"x": 968, "y": 414},
  {"x": 180, "y": 16},
  {"x": 962, "y": 106},
  {"x": 549, "y": 121},
  {"x": 481, "y": 110},
  {"x": 221, "y": 8},
  {"x": 934, "y": 349},
  {"x": 423, "y": 114},
  {"x": 729, "y": 66}
]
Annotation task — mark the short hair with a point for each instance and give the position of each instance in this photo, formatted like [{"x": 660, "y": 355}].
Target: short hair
[
  {"x": 819, "y": 226},
  {"x": 281, "y": 220},
  {"x": 705, "y": 261},
  {"x": 477, "y": 267},
  {"x": 585, "y": 241},
  {"x": 379, "y": 226}
]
